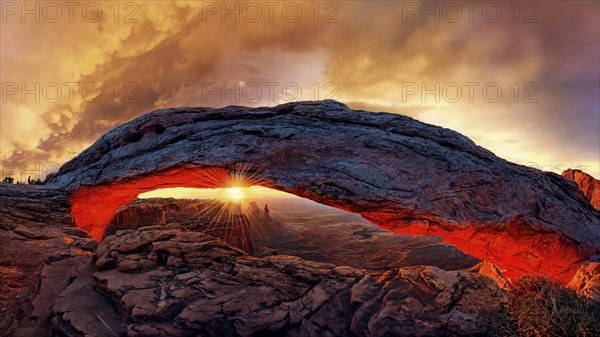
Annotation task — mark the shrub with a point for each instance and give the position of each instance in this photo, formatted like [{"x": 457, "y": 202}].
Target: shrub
[{"x": 540, "y": 306}]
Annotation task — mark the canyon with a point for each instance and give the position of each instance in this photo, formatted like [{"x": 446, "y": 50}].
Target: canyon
[{"x": 296, "y": 227}]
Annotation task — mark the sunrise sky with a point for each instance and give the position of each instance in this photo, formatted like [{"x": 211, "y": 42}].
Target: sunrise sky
[{"x": 404, "y": 57}]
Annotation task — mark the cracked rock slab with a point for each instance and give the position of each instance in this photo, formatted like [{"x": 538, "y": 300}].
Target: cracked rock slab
[{"x": 210, "y": 288}]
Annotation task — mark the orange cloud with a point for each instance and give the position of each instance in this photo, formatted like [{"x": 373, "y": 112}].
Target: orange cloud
[{"x": 375, "y": 55}]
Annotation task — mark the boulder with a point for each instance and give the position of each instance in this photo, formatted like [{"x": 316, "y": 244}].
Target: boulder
[{"x": 586, "y": 281}]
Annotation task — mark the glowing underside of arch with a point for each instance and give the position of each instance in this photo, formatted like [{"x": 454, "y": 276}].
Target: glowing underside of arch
[{"x": 515, "y": 248}]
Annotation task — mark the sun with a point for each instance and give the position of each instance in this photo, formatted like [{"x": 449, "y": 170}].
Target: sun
[{"x": 234, "y": 194}]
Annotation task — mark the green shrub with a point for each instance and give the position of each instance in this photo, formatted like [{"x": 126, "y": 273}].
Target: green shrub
[{"x": 540, "y": 306}]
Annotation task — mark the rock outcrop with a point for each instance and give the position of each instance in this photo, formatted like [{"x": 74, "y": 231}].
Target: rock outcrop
[
  {"x": 219, "y": 219},
  {"x": 174, "y": 281},
  {"x": 39, "y": 245},
  {"x": 587, "y": 279},
  {"x": 171, "y": 282},
  {"x": 588, "y": 185},
  {"x": 400, "y": 174}
]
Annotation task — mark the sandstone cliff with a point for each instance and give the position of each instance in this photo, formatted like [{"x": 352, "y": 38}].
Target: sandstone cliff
[{"x": 588, "y": 185}]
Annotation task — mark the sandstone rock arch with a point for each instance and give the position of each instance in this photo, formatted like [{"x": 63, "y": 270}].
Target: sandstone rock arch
[{"x": 401, "y": 174}]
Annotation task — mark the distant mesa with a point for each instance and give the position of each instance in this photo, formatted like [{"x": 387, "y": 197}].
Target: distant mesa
[{"x": 401, "y": 174}]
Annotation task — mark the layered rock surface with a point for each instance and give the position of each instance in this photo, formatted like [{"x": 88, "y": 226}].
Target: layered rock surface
[
  {"x": 588, "y": 185},
  {"x": 174, "y": 281},
  {"x": 171, "y": 282},
  {"x": 39, "y": 245},
  {"x": 587, "y": 279},
  {"x": 400, "y": 174}
]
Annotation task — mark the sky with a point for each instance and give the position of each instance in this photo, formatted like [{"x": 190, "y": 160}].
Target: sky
[
  {"x": 230, "y": 194},
  {"x": 519, "y": 78}
]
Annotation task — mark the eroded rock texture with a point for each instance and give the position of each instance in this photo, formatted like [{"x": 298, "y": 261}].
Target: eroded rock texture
[
  {"x": 399, "y": 173},
  {"x": 174, "y": 281},
  {"x": 588, "y": 185},
  {"x": 39, "y": 244},
  {"x": 587, "y": 279},
  {"x": 171, "y": 282}
]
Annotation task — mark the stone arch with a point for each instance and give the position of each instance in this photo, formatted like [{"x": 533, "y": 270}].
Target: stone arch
[{"x": 400, "y": 174}]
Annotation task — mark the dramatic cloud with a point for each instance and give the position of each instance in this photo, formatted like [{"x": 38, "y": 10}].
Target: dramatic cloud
[{"x": 373, "y": 55}]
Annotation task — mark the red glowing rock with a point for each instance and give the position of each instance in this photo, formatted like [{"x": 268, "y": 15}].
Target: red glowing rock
[
  {"x": 401, "y": 174},
  {"x": 588, "y": 185},
  {"x": 94, "y": 207},
  {"x": 586, "y": 281}
]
